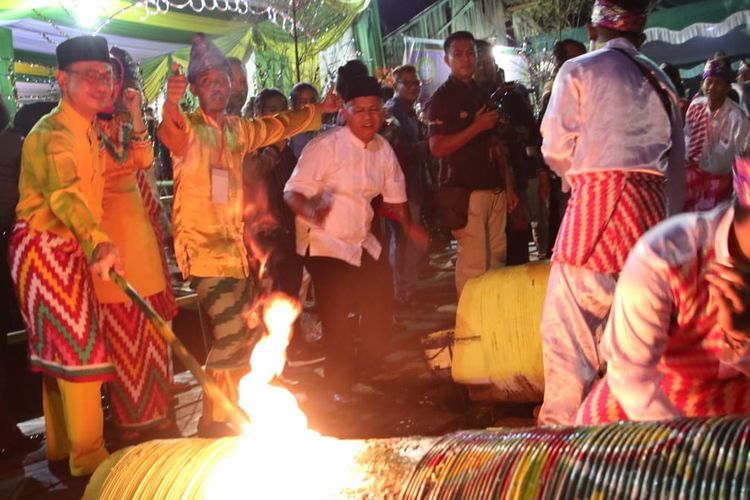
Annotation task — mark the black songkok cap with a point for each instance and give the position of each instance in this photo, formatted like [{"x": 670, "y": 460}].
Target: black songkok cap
[
  {"x": 82, "y": 48},
  {"x": 363, "y": 86}
]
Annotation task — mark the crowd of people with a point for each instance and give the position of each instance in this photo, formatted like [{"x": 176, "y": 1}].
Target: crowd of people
[{"x": 643, "y": 319}]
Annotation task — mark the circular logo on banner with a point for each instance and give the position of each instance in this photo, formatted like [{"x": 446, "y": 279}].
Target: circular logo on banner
[{"x": 427, "y": 69}]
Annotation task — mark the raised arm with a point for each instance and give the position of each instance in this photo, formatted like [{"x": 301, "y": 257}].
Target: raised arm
[
  {"x": 267, "y": 130},
  {"x": 173, "y": 130}
]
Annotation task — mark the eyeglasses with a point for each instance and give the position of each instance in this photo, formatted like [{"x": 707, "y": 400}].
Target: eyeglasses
[
  {"x": 410, "y": 83},
  {"x": 93, "y": 77}
]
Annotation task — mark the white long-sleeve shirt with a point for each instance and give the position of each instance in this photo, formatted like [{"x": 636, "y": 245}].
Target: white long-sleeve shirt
[
  {"x": 662, "y": 321},
  {"x": 728, "y": 136},
  {"x": 603, "y": 114},
  {"x": 352, "y": 173}
]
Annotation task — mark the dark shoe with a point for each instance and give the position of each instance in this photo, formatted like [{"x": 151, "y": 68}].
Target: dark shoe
[
  {"x": 305, "y": 354},
  {"x": 15, "y": 443}
]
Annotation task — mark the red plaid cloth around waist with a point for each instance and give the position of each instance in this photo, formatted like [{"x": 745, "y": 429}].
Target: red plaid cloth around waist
[
  {"x": 706, "y": 190},
  {"x": 56, "y": 297},
  {"x": 608, "y": 211}
]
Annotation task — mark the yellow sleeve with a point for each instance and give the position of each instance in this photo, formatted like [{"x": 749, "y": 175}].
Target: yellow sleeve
[
  {"x": 62, "y": 187},
  {"x": 174, "y": 132},
  {"x": 267, "y": 130}
]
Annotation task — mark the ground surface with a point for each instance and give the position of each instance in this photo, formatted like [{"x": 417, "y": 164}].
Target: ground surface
[{"x": 406, "y": 399}]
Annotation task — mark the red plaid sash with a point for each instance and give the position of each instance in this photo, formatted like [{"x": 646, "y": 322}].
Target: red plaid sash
[
  {"x": 607, "y": 213},
  {"x": 56, "y": 296},
  {"x": 705, "y": 190},
  {"x": 698, "y": 120}
]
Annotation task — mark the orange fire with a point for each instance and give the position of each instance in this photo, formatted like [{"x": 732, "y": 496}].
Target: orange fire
[
  {"x": 278, "y": 456},
  {"x": 266, "y": 404}
]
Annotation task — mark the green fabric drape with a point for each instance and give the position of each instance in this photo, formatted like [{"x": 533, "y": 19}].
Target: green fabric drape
[
  {"x": 369, "y": 37},
  {"x": 320, "y": 24},
  {"x": 330, "y": 20},
  {"x": 7, "y": 68},
  {"x": 676, "y": 18}
]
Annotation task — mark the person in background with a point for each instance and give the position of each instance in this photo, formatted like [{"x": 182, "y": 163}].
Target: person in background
[
  {"x": 473, "y": 167},
  {"x": 716, "y": 132},
  {"x": 208, "y": 148},
  {"x": 620, "y": 189},
  {"x": 269, "y": 223},
  {"x": 13, "y": 442},
  {"x": 677, "y": 343},
  {"x": 303, "y": 94},
  {"x": 331, "y": 190},
  {"x": 742, "y": 86},
  {"x": 674, "y": 76},
  {"x": 521, "y": 141},
  {"x": 412, "y": 150},
  {"x": 238, "y": 95},
  {"x": 558, "y": 194},
  {"x": 56, "y": 244},
  {"x": 139, "y": 396},
  {"x": 270, "y": 227}
]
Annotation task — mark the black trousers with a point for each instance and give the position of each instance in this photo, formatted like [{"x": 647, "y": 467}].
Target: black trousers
[{"x": 341, "y": 290}]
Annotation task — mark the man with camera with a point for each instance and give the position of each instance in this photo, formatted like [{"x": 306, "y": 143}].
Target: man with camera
[
  {"x": 475, "y": 190},
  {"x": 522, "y": 142}
]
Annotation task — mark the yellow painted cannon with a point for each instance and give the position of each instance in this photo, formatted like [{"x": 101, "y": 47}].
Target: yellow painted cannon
[{"x": 497, "y": 339}]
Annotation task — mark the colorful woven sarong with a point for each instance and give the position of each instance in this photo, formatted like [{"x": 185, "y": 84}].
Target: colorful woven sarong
[
  {"x": 56, "y": 296},
  {"x": 705, "y": 190},
  {"x": 694, "y": 396},
  {"x": 139, "y": 396},
  {"x": 695, "y": 381},
  {"x": 167, "y": 303},
  {"x": 225, "y": 300},
  {"x": 607, "y": 213}
]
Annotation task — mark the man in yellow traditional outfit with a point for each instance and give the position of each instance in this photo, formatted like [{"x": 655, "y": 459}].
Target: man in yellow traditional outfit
[
  {"x": 207, "y": 148},
  {"x": 56, "y": 236}
]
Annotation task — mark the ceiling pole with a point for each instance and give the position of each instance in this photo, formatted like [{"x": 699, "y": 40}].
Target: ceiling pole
[{"x": 296, "y": 39}]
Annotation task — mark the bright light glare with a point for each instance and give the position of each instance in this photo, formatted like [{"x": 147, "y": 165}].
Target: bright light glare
[
  {"x": 87, "y": 12},
  {"x": 512, "y": 63}
]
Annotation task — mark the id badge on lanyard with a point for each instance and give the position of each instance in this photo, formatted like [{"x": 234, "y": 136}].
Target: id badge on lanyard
[{"x": 220, "y": 178}]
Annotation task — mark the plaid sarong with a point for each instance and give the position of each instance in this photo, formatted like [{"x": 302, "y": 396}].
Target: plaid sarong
[
  {"x": 226, "y": 301},
  {"x": 57, "y": 301},
  {"x": 607, "y": 213},
  {"x": 139, "y": 395},
  {"x": 695, "y": 381}
]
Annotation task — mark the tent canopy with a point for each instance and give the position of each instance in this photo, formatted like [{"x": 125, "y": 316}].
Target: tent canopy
[{"x": 156, "y": 38}]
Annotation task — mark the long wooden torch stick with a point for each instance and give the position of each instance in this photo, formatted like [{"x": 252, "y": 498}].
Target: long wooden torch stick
[{"x": 237, "y": 417}]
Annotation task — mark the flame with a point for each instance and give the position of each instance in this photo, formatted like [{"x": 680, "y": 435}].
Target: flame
[{"x": 278, "y": 456}]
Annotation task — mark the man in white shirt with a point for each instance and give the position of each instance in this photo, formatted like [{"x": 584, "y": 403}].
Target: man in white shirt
[
  {"x": 613, "y": 134},
  {"x": 716, "y": 131},
  {"x": 676, "y": 342},
  {"x": 331, "y": 190}
]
